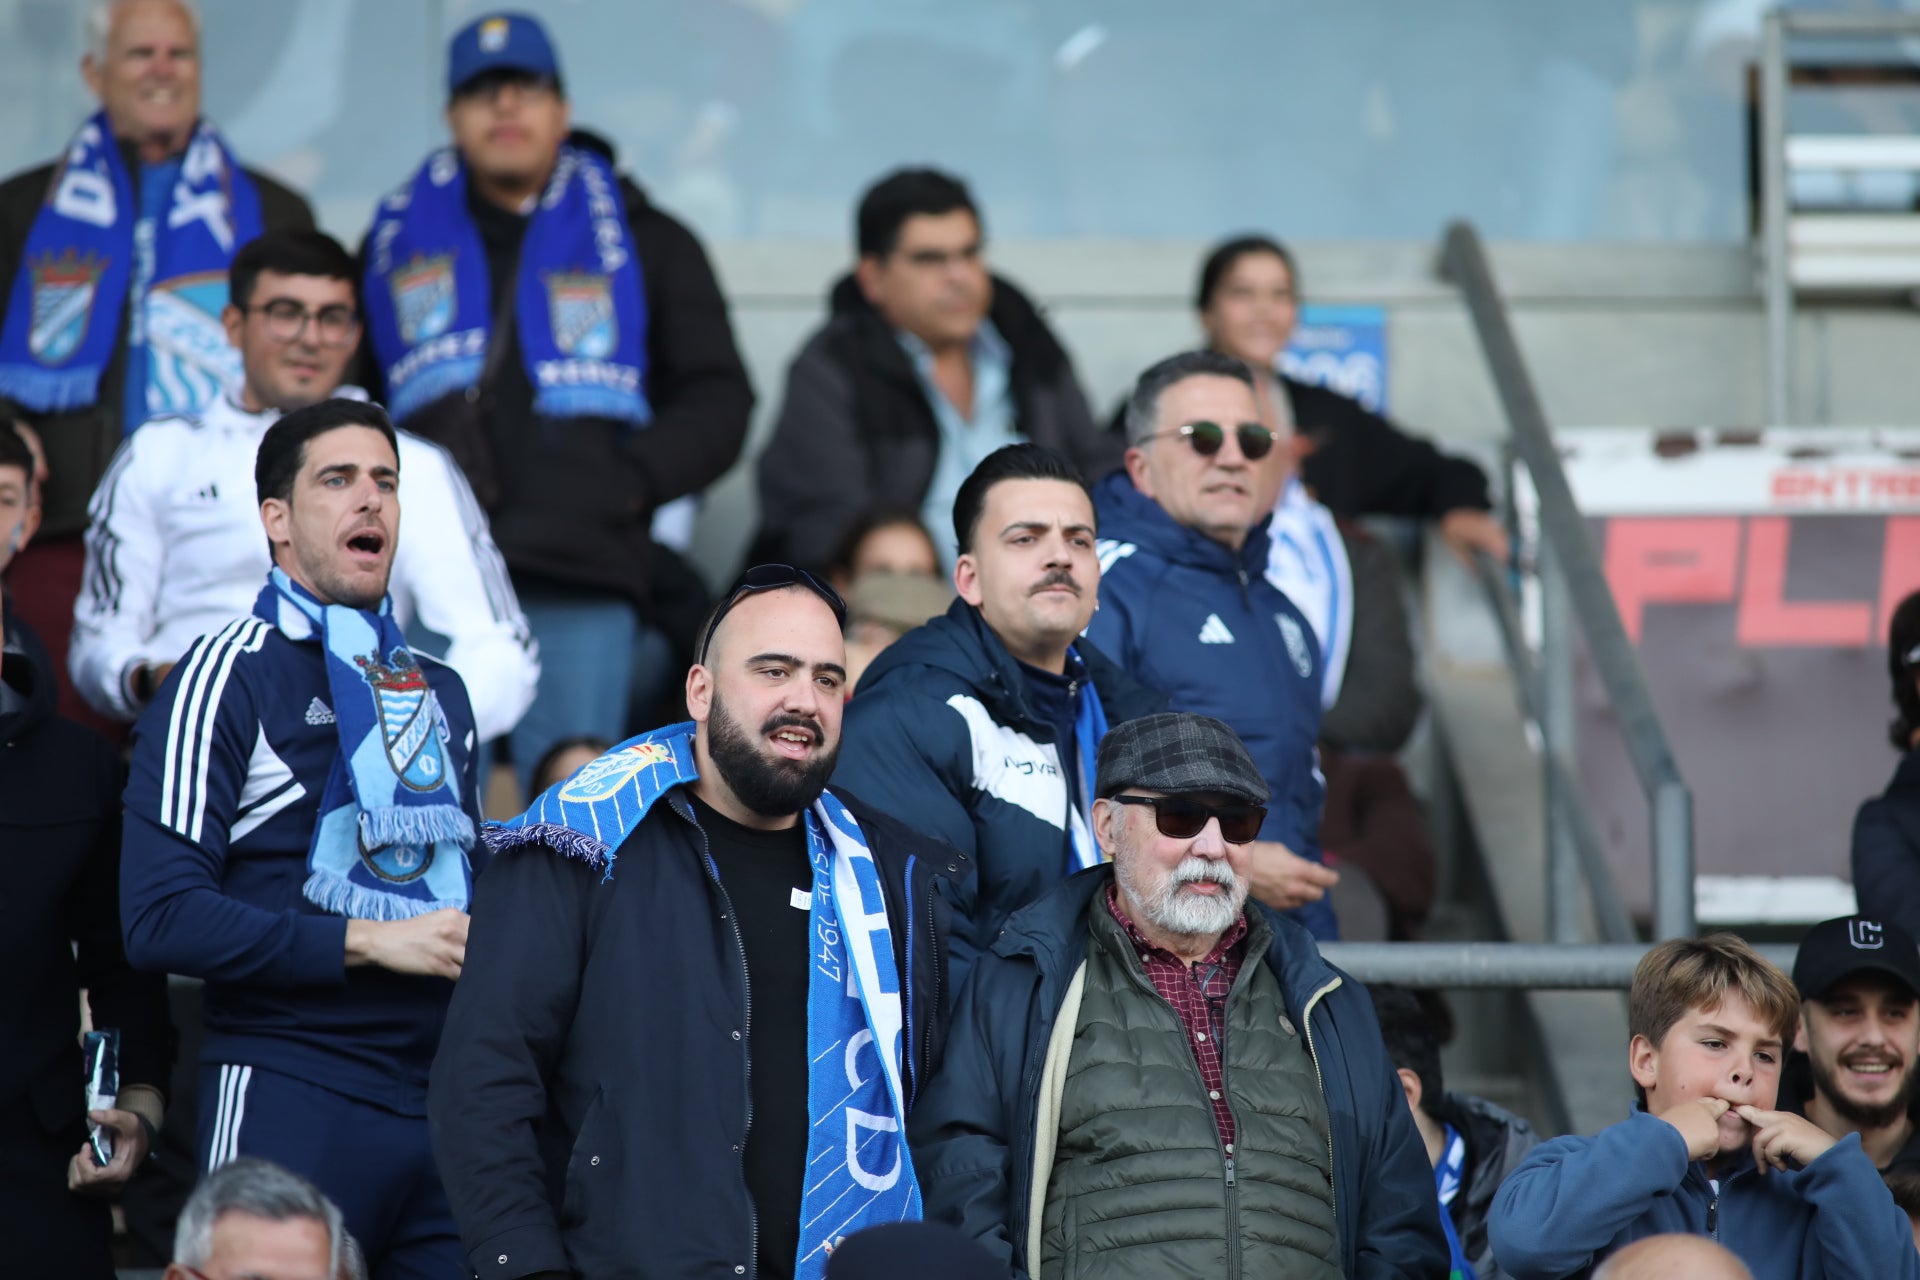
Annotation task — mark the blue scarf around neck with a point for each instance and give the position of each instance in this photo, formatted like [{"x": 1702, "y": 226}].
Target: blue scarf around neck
[
  {"x": 1089, "y": 726},
  {"x": 392, "y": 839},
  {"x": 67, "y": 301},
  {"x": 579, "y": 309},
  {"x": 859, "y": 1171}
]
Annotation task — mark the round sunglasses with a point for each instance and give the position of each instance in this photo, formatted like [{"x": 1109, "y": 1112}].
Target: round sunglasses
[
  {"x": 1256, "y": 442},
  {"x": 1181, "y": 819}
]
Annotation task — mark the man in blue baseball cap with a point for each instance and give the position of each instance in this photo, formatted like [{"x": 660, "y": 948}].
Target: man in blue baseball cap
[{"x": 528, "y": 308}]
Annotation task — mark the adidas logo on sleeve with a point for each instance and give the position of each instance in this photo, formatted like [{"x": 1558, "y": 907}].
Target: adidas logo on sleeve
[{"x": 1214, "y": 631}]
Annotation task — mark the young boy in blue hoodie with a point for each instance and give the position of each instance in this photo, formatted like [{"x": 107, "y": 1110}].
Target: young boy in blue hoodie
[{"x": 1705, "y": 1152}]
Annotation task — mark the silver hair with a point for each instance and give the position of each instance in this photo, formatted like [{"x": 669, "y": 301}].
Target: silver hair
[
  {"x": 353, "y": 1263},
  {"x": 1143, "y": 405},
  {"x": 99, "y": 25},
  {"x": 258, "y": 1188}
]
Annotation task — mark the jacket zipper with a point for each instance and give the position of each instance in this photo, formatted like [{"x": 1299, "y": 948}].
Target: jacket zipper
[
  {"x": 1246, "y": 597},
  {"x": 1333, "y": 1183},
  {"x": 746, "y": 1042},
  {"x": 1713, "y": 1215}
]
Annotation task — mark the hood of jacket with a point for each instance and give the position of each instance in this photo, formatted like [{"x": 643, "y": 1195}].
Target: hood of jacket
[
  {"x": 1127, "y": 515},
  {"x": 962, "y": 644}
]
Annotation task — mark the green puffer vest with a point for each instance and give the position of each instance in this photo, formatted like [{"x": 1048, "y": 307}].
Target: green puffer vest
[{"x": 1140, "y": 1188}]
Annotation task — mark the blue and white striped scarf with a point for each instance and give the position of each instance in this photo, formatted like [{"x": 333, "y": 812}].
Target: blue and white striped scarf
[
  {"x": 859, "y": 1171},
  {"x": 392, "y": 839}
]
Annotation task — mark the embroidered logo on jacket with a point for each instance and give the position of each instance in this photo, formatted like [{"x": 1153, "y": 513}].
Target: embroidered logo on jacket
[
  {"x": 319, "y": 713},
  {"x": 1297, "y": 647}
]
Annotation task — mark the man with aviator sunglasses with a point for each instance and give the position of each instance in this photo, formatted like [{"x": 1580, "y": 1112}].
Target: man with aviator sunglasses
[
  {"x": 1187, "y": 608},
  {"x": 1148, "y": 1073}
]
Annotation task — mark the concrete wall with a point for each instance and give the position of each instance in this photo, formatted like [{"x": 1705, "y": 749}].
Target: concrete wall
[{"x": 1655, "y": 335}]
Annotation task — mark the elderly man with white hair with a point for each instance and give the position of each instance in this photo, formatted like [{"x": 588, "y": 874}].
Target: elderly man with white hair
[
  {"x": 251, "y": 1219},
  {"x": 1150, "y": 1073},
  {"x": 113, "y": 275}
]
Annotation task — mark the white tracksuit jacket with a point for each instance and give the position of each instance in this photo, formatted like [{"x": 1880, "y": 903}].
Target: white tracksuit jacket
[{"x": 175, "y": 550}]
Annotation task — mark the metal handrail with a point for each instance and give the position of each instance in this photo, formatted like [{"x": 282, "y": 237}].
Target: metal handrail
[
  {"x": 1589, "y": 599},
  {"x": 1540, "y": 966}
]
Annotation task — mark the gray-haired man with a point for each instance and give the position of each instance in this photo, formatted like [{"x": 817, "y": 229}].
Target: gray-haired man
[
  {"x": 251, "y": 1218},
  {"x": 1143, "y": 1042}
]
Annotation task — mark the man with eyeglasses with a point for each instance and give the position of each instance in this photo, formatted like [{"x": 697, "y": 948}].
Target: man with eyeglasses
[
  {"x": 113, "y": 262},
  {"x": 1151, "y": 1074},
  {"x": 174, "y": 549},
  {"x": 1187, "y": 608},
  {"x": 531, "y": 309},
  {"x": 926, "y": 364},
  {"x": 702, "y": 990}
]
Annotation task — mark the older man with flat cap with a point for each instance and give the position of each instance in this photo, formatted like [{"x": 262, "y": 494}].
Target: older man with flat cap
[{"x": 1150, "y": 1075}]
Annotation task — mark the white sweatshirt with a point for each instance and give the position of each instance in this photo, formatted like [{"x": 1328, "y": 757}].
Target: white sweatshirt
[{"x": 175, "y": 550}]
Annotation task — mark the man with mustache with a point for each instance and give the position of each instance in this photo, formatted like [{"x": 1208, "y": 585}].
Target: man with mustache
[
  {"x": 1859, "y": 1036},
  {"x": 1186, "y": 606},
  {"x": 981, "y": 726},
  {"x": 702, "y": 991},
  {"x": 1150, "y": 1075}
]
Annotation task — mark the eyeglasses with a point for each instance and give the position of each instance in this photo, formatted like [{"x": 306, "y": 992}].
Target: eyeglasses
[
  {"x": 1181, "y": 819},
  {"x": 337, "y": 325},
  {"x": 771, "y": 577},
  {"x": 1256, "y": 442}
]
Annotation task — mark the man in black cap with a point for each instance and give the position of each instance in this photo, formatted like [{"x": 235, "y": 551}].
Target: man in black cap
[
  {"x": 1150, "y": 1070},
  {"x": 1859, "y": 1036}
]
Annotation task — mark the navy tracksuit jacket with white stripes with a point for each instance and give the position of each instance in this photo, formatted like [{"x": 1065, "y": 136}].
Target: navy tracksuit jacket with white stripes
[{"x": 229, "y": 765}]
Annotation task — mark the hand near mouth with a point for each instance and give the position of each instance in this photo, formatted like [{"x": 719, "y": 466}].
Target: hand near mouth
[{"x": 1781, "y": 1136}]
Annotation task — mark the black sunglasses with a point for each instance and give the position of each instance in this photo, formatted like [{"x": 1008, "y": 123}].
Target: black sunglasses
[
  {"x": 771, "y": 577},
  {"x": 1256, "y": 442},
  {"x": 1182, "y": 819}
]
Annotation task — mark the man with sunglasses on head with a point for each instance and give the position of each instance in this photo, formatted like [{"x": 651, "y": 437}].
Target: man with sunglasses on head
[
  {"x": 174, "y": 549},
  {"x": 1151, "y": 1074},
  {"x": 927, "y": 363},
  {"x": 1186, "y": 606},
  {"x": 701, "y": 991},
  {"x": 531, "y": 309},
  {"x": 981, "y": 726}
]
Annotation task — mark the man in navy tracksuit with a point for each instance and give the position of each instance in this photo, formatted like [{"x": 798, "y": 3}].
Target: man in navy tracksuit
[
  {"x": 1185, "y": 605},
  {"x": 298, "y": 826},
  {"x": 980, "y": 727}
]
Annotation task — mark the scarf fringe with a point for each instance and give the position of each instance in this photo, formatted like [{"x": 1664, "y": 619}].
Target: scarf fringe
[
  {"x": 551, "y": 835},
  {"x": 49, "y": 390},
  {"x": 341, "y": 896},
  {"x": 433, "y": 382},
  {"x": 415, "y": 824}
]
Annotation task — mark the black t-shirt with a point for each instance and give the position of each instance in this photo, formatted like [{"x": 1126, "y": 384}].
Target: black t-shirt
[{"x": 764, "y": 874}]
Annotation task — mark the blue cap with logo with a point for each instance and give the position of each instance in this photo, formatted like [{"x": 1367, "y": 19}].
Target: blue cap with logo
[{"x": 500, "y": 42}]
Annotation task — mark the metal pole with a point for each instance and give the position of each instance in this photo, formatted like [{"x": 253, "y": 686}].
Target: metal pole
[
  {"x": 1672, "y": 862},
  {"x": 1776, "y": 271},
  {"x": 1538, "y": 965},
  {"x": 1556, "y": 747}
]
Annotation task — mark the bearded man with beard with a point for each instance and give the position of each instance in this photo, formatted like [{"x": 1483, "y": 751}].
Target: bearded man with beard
[
  {"x": 1859, "y": 1037},
  {"x": 701, "y": 991},
  {"x": 1151, "y": 1074}
]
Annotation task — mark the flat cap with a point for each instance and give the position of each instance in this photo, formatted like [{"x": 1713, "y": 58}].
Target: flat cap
[{"x": 1176, "y": 752}]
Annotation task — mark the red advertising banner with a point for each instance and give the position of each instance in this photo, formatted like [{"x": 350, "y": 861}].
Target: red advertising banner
[{"x": 1756, "y": 575}]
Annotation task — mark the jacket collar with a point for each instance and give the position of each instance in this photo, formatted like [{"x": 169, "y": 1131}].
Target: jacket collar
[
  {"x": 961, "y": 642},
  {"x": 1037, "y": 354},
  {"x": 1127, "y": 515},
  {"x": 22, "y": 673}
]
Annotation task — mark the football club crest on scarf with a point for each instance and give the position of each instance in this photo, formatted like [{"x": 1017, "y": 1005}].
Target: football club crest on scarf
[
  {"x": 63, "y": 289},
  {"x": 406, "y": 721},
  {"x": 579, "y": 307},
  {"x": 581, "y": 310},
  {"x": 78, "y": 268},
  {"x": 423, "y": 297},
  {"x": 607, "y": 774}
]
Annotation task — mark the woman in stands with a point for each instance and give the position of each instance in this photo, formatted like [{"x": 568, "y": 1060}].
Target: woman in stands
[
  {"x": 1356, "y": 462},
  {"x": 1886, "y": 831}
]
